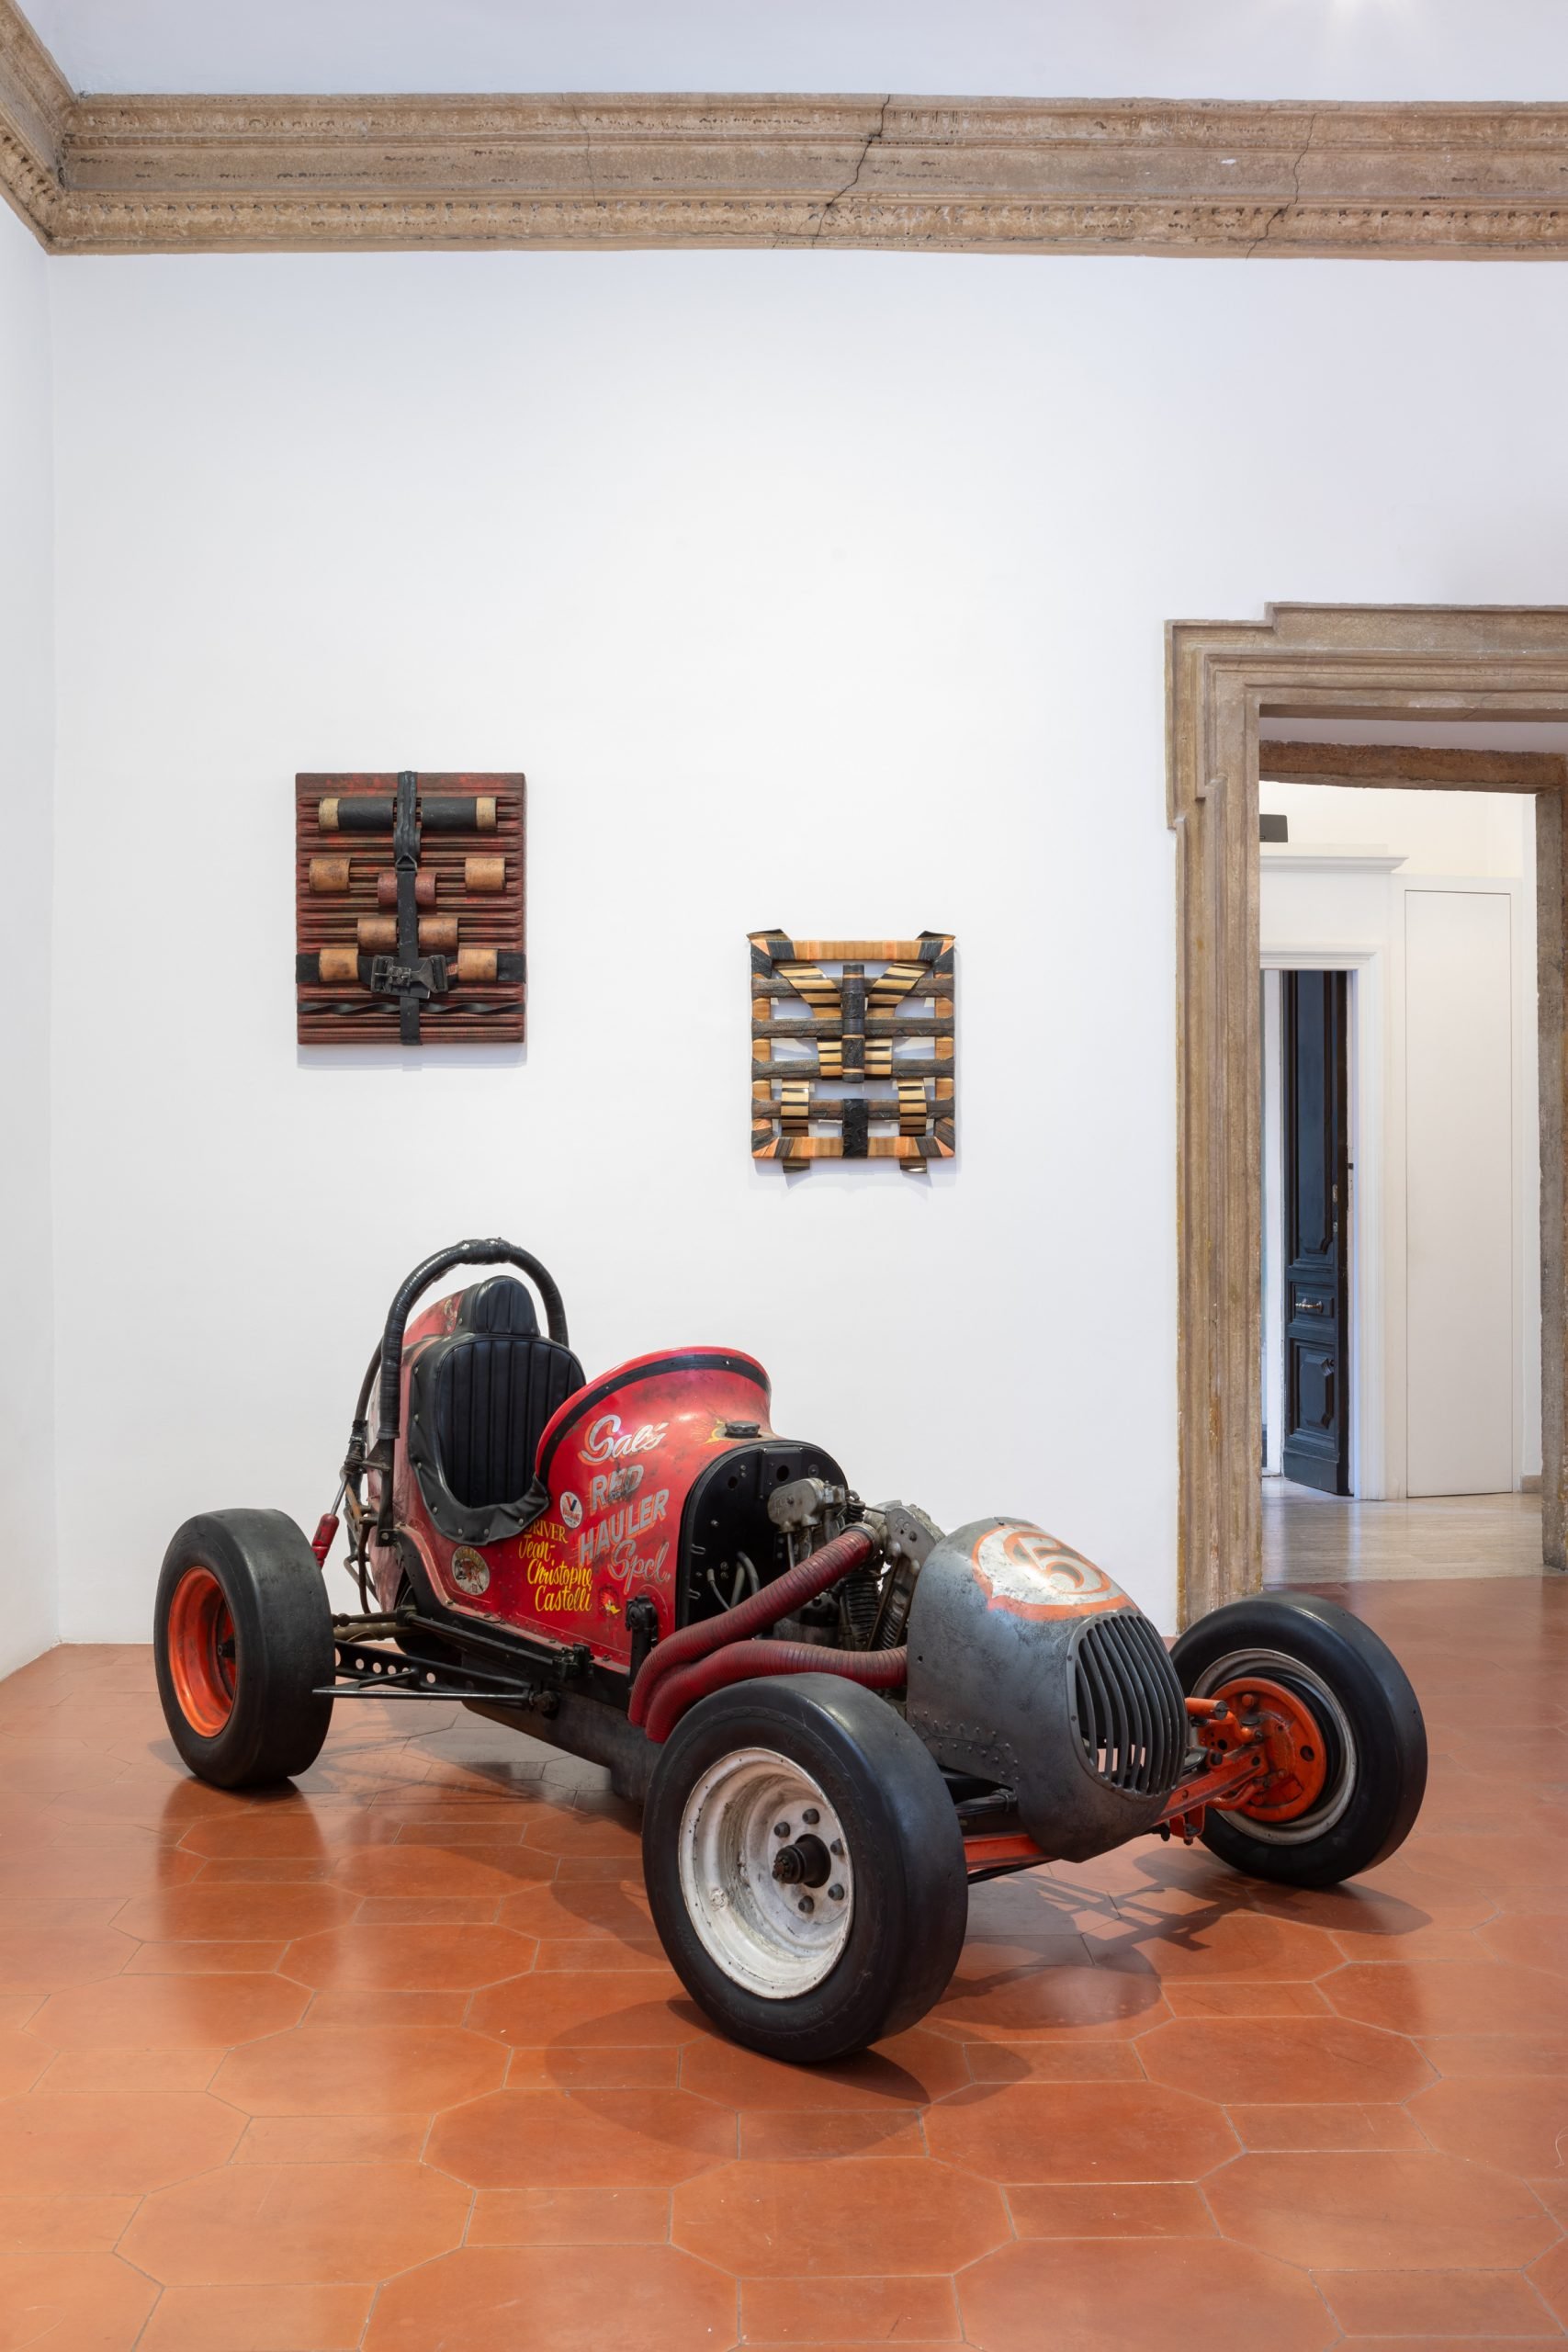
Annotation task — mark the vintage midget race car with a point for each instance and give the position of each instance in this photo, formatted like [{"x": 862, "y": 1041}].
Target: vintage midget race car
[{"x": 835, "y": 1716}]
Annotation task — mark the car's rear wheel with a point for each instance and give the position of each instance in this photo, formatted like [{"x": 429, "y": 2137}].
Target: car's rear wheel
[
  {"x": 243, "y": 1644},
  {"x": 1340, "y": 1726},
  {"x": 805, "y": 1866}
]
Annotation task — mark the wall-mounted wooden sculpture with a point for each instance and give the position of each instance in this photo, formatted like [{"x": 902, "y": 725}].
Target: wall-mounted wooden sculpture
[
  {"x": 409, "y": 907},
  {"x": 851, "y": 1048}
]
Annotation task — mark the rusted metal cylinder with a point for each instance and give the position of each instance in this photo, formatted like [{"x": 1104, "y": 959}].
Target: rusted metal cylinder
[
  {"x": 387, "y": 889},
  {"x": 378, "y": 934}
]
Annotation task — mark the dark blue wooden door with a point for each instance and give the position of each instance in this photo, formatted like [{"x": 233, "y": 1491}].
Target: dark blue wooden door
[{"x": 1317, "y": 1448}]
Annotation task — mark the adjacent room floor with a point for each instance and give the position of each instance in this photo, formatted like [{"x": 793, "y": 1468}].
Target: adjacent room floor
[
  {"x": 1310, "y": 1538},
  {"x": 395, "y": 2061}
]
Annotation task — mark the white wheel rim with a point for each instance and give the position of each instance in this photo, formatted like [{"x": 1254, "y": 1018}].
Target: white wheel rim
[
  {"x": 1276, "y": 1666},
  {"x": 774, "y": 1936}
]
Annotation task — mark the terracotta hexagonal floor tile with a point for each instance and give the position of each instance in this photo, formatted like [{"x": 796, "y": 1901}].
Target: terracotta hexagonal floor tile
[
  {"x": 332, "y": 2140},
  {"x": 821, "y": 2312},
  {"x": 1088, "y": 2131},
  {"x": 770, "y": 2135},
  {"x": 1131, "y": 2208},
  {"x": 23, "y": 2058},
  {"x": 236, "y": 1912},
  {"x": 361, "y": 2070},
  {"x": 1449, "y": 1996},
  {"x": 635, "y": 2139},
  {"x": 1236, "y": 1942},
  {"x": 907, "y": 2071},
  {"x": 636, "y": 2008},
  {"x": 287, "y": 1827},
  {"x": 1534, "y": 1939},
  {"x": 205, "y": 1960},
  {"x": 490, "y": 1871},
  {"x": 1015, "y": 2004},
  {"x": 295, "y": 2224},
  {"x": 68, "y": 2224},
  {"x": 862, "y": 2215},
  {"x": 1432, "y": 2303},
  {"x": 1519, "y": 2124},
  {"x": 1364, "y": 2212},
  {"x": 1065, "y": 2060},
  {"x": 563, "y": 1829},
  {"x": 1465, "y": 2057},
  {"x": 1330, "y": 2124},
  {"x": 411, "y": 1958},
  {"x": 570, "y": 2217},
  {"x": 88, "y": 2302},
  {"x": 125, "y": 1867},
  {"x": 37, "y": 1956},
  {"x": 238, "y": 2319},
  {"x": 576, "y": 1910},
  {"x": 124, "y": 2142},
  {"x": 150, "y": 2012},
  {"x": 653, "y": 2297},
  {"x": 1123, "y": 2294},
  {"x": 1550, "y": 2279},
  {"x": 1264, "y": 2059}
]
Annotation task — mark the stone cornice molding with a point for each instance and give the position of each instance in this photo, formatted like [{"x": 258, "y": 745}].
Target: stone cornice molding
[
  {"x": 35, "y": 102},
  {"x": 189, "y": 175}
]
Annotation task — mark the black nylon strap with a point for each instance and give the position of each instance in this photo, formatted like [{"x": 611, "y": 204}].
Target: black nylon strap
[{"x": 405, "y": 861}]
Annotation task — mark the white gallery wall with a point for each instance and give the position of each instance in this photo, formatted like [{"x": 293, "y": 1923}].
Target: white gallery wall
[
  {"x": 29, "y": 1602},
  {"x": 823, "y": 590}
]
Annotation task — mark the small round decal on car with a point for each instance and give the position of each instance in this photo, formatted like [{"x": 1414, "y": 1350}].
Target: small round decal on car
[
  {"x": 471, "y": 1573},
  {"x": 570, "y": 1508}
]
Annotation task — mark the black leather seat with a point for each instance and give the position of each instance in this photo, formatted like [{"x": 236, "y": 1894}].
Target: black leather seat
[{"x": 478, "y": 1403}]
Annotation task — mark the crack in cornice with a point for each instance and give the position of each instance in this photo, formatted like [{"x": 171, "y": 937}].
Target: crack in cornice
[
  {"x": 873, "y": 139},
  {"x": 1293, "y": 201}
]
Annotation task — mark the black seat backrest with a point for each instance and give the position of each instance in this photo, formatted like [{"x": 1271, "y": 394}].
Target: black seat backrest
[
  {"x": 502, "y": 1304},
  {"x": 480, "y": 1400}
]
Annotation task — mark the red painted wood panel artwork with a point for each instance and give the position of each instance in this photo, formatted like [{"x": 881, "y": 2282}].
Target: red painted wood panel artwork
[{"x": 410, "y": 898}]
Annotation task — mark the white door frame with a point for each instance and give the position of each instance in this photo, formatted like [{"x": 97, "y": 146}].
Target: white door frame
[{"x": 1372, "y": 1321}]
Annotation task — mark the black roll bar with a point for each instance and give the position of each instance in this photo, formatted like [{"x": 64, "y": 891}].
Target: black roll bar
[{"x": 461, "y": 1254}]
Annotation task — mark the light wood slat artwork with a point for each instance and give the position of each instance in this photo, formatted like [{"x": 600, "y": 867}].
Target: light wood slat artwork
[{"x": 852, "y": 1049}]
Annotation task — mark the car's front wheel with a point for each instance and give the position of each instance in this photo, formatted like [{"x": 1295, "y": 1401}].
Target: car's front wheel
[
  {"x": 805, "y": 1866},
  {"x": 242, "y": 1646},
  {"x": 1333, "y": 1712}
]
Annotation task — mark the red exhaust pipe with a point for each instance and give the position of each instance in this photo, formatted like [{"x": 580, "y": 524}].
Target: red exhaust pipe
[
  {"x": 742, "y": 1661},
  {"x": 780, "y": 1599}
]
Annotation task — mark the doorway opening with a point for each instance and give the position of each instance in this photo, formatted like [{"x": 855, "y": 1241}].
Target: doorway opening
[
  {"x": 1401, "y": 1253},
  {"x": 1364, "y": 701}
]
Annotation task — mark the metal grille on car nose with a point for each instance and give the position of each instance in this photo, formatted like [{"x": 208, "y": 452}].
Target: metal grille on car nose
[{"x": 1130, "y": 1715}]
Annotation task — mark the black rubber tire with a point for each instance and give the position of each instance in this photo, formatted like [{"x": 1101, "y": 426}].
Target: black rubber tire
[
  {"x": 282, "y": 1647},
  {"x": 911, "y": 1896},
  {"x": 1380, "y": 1711}
]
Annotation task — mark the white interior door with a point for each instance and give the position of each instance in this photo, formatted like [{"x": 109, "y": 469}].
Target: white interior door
[{"x": 1459, "y": 1192}]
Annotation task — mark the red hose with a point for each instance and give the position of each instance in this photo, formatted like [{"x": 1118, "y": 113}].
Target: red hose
[
  {"x": 780, "y": 1599},
  {"x": 743, "y": 1661}
]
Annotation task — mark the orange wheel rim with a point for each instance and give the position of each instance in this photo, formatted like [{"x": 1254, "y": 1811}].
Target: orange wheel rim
[
  {"x": 200, "y": 1645},
  {"x": 1293, "y": 1743}
]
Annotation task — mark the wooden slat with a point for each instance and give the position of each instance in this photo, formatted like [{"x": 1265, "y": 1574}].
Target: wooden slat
[{"x": 897, "y": 1024}]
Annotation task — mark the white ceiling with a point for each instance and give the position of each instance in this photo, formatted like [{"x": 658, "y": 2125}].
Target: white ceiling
[{"x": 1261, "y": 49}]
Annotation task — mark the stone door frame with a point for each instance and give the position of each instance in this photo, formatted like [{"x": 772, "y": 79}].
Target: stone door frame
[{"x": 1389, "y": 661}]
